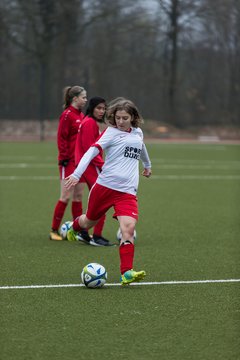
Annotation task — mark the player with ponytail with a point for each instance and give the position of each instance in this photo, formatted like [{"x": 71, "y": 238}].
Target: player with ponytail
[{"x": 75, "y": 98}]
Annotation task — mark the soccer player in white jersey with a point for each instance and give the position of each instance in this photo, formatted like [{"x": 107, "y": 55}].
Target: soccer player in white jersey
[{"x": 117, "y": 184}]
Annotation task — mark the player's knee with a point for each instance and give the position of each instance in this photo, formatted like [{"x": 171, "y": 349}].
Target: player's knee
[
  {"x": 86, "y": 223},
  {"x": 128, "y": 230},
  {"x": 77, "y": 197},
  {"x": 65, "y": 199}
]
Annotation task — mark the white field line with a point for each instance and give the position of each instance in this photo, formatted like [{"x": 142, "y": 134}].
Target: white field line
[
  {"x": 13, "y": 178},
  {"x": 195, "y": 162},
  {"x": 184, "y": 282},
  {"x": 163, "y": 161},
  {"x": 27, "y": 165},
  {"x": 196, "y": 167},
  {"x": 153, "y": 177},
  {"x": 158, "y": 166},
  {"x": 25, "y": 157},
  {"x": 195, "y": 177}
]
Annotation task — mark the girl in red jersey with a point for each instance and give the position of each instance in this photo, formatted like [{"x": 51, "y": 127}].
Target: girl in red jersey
[
  {"x": 75, "y": 98},
  {"x": 88, "y": 133},
  {"x": 117, "y": 183}
]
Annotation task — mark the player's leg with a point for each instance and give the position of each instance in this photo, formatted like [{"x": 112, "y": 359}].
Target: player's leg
[
  {"x": 98, "y": 204},
  {"x": 59, "y": 211},
  {"x": 61, "y": 204},
  {"x": 77, "y": 197},
  {"x": 126, "y": 211},
  {"x": 77, "y": 208},
  {"x": 80, "y": 225},
  {"x": 126, "y": 248},
  {"x": 97, "y": 233},
  {"x": 127, "y": 226},
  {"x": 126, "y": 252},
  {"x": 90, "y": 176}
]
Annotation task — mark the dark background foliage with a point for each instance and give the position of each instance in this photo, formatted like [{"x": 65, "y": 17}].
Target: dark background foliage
[{"x": 177, "y": 59}]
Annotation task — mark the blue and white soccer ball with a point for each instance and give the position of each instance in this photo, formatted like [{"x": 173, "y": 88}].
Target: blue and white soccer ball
[
  {"x": 64, "y": 228},
  {"x": 94, "y": 275},
  {"x": 119, "y": 235}
]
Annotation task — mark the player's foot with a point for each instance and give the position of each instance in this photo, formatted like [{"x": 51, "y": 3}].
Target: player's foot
[
  {"x": 100, "y": 241},
  {"x": 72, "y": 235},
  {"x": 84, "y": 237},
  {"x": 132, "y": 276},
  {"x": 54, "y": 235}
]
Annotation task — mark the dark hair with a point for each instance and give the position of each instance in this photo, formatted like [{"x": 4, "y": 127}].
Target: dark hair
[
  {"x": 69, "y": 92},
  {"x": 123, "y": 104},
  {"x": 93, "y": 102}
]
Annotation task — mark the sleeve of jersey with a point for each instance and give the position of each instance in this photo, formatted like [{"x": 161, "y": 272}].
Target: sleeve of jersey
[
  {"x": 98, "y": 160},
  {"x": 145, "y": 158},
  {"x": 85, "y": 161},
  {"x": 63, "y": 132},
  {"x": 90, "y": 133},
  {"x": 106, "y": 138}
]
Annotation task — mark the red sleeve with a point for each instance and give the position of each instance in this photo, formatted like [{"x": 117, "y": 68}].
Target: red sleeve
[
  {"x": 63, "y": 136},
  {"x": 89, "y": 134},
  {"x": 98, "y": 160},
  {"x": 89, "y": 131}
]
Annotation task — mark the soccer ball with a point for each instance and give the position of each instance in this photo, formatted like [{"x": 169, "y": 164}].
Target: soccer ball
[
  {"x": 119, "y": 235},
  {"x": 94, "y": 275},
  {"x": 64, "y": 228}
]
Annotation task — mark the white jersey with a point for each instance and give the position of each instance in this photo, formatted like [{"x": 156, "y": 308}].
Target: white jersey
[
  {"x": 123, "y": 150},
  {"x": 122, "y": 153}
]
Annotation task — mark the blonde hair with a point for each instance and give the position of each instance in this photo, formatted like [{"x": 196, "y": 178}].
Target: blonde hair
[
  {"x": 121, "y": 103},
  {"x": 69, "y": 92}
]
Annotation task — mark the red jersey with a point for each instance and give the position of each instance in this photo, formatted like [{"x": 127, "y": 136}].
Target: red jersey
[
  {"x": 68, "y": 126},
  {"x": 87, "y": 135}
]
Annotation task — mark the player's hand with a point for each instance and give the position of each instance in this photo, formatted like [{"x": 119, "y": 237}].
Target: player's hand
[
  {"x": 147, "y": 172},
  {"x": 70, "y": 181}
]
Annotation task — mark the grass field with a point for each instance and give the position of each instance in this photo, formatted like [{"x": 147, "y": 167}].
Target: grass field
[{"x": 188, "y": 231}]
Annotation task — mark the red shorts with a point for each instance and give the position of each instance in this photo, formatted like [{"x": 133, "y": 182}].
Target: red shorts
[
  {"x": 101, "y": 199},
  {"x": 65, "y": 171}
]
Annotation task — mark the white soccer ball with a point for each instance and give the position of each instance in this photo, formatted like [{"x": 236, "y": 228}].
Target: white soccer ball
[
  {"x": 64, "y": 228},
  {"x": 119, "y": 235},
  {"x": 94, "y": 275}
]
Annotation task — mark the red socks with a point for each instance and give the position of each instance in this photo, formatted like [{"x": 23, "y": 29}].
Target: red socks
[
  {"x": 60, "y": 210},
  {"x": 126, "y": 253},
  {"x": 76, "y": 209},
  {"x": 58, "y": 214},
  {"x": 98, "y": 228},
  {"x": 76, "y": 226}
]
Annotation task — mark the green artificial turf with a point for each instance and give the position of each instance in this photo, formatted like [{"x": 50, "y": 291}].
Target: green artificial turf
[{"x": 188, "y": 230}]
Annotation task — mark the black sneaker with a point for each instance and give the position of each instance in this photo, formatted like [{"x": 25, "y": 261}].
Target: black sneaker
[
  {"x": 84, "y": 237},
  {"x": 100, "y": 241}
]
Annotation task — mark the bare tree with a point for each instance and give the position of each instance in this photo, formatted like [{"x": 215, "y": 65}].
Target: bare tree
[{"x": 180, "y": 62}]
